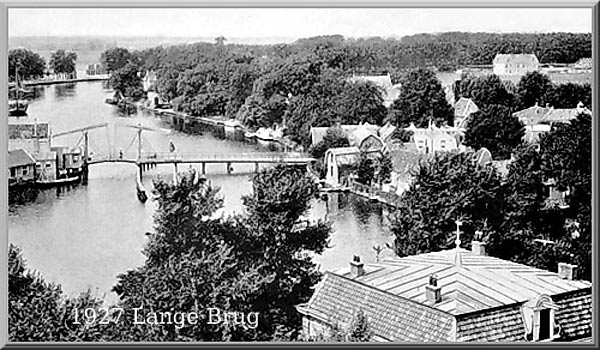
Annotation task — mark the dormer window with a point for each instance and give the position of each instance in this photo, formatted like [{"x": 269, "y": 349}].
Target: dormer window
[{"x": 538, "y": 317}]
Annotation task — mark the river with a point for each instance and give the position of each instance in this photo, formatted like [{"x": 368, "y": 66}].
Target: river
[{"x": 83, "y": 237}]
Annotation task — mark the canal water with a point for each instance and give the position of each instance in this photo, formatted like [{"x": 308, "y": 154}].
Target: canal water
[{"x": 83, "y": 237}]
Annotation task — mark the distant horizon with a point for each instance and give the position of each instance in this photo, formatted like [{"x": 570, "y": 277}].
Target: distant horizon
[{"x": 290, "y": 23}]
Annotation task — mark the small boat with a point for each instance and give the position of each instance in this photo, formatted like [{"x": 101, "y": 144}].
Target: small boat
[
  {"x": 57, "y": 182},
  {"x": 141, "y": 191}
]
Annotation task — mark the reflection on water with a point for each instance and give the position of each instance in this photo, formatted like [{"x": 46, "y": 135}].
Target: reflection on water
[{"x": 84, "y": 236}]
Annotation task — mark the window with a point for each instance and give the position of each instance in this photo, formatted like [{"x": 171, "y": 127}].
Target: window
[
  {"x": 48, "y": 164},
  {"x": 25, "y": 171},
  {"x": 545, "y": 324},
  {"x": 538, "y": 317},
  {"x": 75, "y": 158},
  {"x": 13, "y": 172}
]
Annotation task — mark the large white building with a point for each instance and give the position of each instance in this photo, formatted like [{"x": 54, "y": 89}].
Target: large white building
[{"x": 515, "y": 64}]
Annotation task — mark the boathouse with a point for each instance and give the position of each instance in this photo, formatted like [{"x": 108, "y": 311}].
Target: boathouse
[
  {"x": 454, "y": 295},
  {"x": 21, "y": 167}
]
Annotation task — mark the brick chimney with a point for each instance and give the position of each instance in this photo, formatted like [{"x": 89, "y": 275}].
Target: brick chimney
[
  {"x": 433, "y": 292},
  {"x": 567, "y": 271},
  {"x": 357, "y": 267}
]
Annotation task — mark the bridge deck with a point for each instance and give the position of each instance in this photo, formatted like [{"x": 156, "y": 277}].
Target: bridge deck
[{"x": 170, "y": 158}]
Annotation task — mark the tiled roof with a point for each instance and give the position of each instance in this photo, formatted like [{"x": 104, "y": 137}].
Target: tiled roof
[
  {"x": 531, "y": 115},
  {"x": 337, "y": 299},
  {"x": 19, "y": 157},
  {"x": 479, "y": 283},
  {"x": 536, "y": 114},
  {"x": 505, "y": 324},
  {"x": 574, "y": 314},
  {"x": 515, "y": 58}
]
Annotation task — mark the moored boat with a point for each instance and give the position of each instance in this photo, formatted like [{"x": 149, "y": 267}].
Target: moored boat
[{"x": 57, "y": 182}]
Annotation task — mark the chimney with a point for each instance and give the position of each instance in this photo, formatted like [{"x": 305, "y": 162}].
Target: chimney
[
  {"x": 567, "y": 271},
  {"x": 357, "y": 267},
  {"x": 433, "y": 292},
  {"x": 477, "y": 246}
]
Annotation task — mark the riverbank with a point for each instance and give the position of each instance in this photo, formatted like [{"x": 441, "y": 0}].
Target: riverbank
[{"x": 61, "y": 81}]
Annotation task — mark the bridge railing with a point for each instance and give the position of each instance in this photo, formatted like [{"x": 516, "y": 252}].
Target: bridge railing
[{"x": 149, "y": 156}]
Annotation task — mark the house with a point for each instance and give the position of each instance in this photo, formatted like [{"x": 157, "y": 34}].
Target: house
[
  {"x": 454, "y": 295},
  {"x": 390, "y": 91},
  {"x": 366, "y": 140},
  {"x": 463, "y": 109},
  {"x": 549, "y": 115},
  {"x": 433, "y": 139},
  {"x": 515, "y": 64},
  {"x": 149, "y": 80},
  {"x": 21, "y": 167},
  {"x": 94, "y": 69}
]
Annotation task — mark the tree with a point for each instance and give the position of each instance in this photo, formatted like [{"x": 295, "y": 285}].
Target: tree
[
  {"x": 127, "y": 81},
  {"x": 484, "y": 91},
  {"x": 358, "y": 330},
  {"x": 569, "y": 95},
  {"x": 190, "y": 267},
  {"x": 117, "y": 58},
  {"x": 447, "y": 187},
  {"x": 385, "y": 166},
  {"x": 277, "y": 235},
  {"x": 38, "y": 310},
  {"x": 63, "y": 62},
  {"x": 362, "y": 102},
  {"x": 365, "y": 169},
  {"x": 29, "y": 64},
  {"x": 566, "y": 155},
  {"x": 496, "y": 129},
  {"x": 422, "y": 99},
  {"x": 334, "y": 137},
  {"x": 533, "y": 88}
]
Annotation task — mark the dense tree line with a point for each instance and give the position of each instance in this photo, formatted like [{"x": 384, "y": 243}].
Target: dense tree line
[{"x": 29, "y": 64}]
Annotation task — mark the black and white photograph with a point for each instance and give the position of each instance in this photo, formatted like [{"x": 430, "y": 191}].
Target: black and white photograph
[{"x": 299, "y": 175}]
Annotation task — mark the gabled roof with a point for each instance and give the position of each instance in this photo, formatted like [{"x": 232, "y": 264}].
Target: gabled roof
[
  {"x": 516, "y": 58},
  {"x": 387, "y": 130},
  {"x": 344, "y": 155},
  {"x": 337, "y": 299},
  {"x": 532, "y": 114},
  {"x": 477, "y": 284},
  {"x": 464, "y": 107},
  {"x": 538, "y": 115},
  {"x": 19, "y": 157}
]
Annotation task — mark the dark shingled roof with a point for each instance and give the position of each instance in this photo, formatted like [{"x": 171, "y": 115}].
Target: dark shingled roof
[{"x": 337, "y": 299}]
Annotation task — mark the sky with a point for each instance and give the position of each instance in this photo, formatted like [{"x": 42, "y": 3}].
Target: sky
[{"x": 291, "y": 22}]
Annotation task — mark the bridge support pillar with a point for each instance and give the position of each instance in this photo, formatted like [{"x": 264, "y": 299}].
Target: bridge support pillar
[
  {"x": 84, "y": 174},
  {"x": 256, "y": 168},
  {"x": 141, "y": 170},
  {"x": 203, "y": 168},
  {"x": 229, "y": 168}
]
